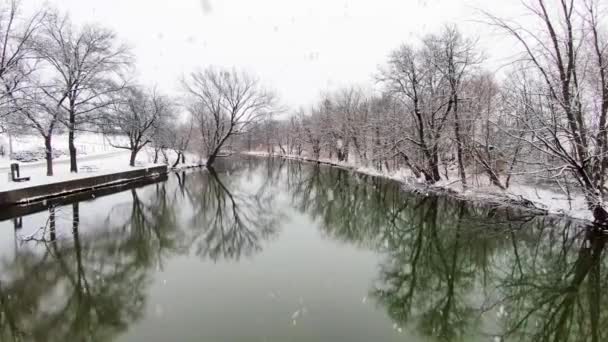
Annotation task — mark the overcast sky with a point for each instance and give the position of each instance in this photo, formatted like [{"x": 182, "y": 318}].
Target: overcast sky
[{"x": 299, "y": 48}]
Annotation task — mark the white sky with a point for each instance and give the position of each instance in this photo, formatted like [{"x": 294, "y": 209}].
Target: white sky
[{"x": 299, "y": 48}]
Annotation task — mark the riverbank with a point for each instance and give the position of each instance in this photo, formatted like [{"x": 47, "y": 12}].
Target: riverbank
[
  {"x": 108, "y": 175},
  {"x": 98, "y": 192},
  {"x": 32, "y": 193},
  {"x": 96, "y": 156},
  {"x": 539, "y": 200}
]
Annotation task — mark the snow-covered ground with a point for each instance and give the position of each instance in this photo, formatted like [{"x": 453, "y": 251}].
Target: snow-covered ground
[
  {"x": 97, "y": 164},
  {"x": 552, "y": 201},
  {"x": 95, "y": 157}
]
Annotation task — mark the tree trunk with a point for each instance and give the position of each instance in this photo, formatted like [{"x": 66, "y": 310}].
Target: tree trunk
[
  {"x": 494, "y": 179},
  {"x": 213, "y": 156},
  {"x": 459, "y": 144},
  {"x": 378, "y": 151},
  {"x": 48, "y": 155},
  {"x": 156, "y": 150},
  {"x": 489, "y": 167},
  {"x": 316, "y": 150},
  {"x": 10, "y": 145},
  {"x": 164, "y": 153},
  {"x": 218, "y": 148},
  {"x": 435, "y": 176},
  {"x": 414, "y": 168},
  {"x": 133, "y": 157},
  {"x": 179, "y": 157},
  {"x": 346, "y": 152},
  {"x": 210, "y": 161},
  {"x": 72, "y": 147},
  {"x": 600, "y": 214}
]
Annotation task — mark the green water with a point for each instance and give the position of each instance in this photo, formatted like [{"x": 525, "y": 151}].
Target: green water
[{"x": 269, "y": 250}]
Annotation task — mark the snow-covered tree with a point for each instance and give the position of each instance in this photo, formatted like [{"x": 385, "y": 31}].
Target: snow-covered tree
[
  {"x": 225, "y": 103},
  {"x": 83, "y": 67},
  {"x": 135, "y": 118}
]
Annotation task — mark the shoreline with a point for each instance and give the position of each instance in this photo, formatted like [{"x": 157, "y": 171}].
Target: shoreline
[
  {"x": 94, "y": 182},
  {"x": 410, "y": 184},
  {"x": 42, "y": 192},
  {"x": 123, "y": 181}
]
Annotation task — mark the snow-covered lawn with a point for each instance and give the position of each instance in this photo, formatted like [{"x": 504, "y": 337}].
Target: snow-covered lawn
[
  {"x": 555, "y": 202},
  {"x": 95, "y": 157},
  {"x": 98, "y": 165}
]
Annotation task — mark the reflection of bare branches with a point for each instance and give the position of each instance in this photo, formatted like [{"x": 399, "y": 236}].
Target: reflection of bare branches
[
  {"x": 37, "y": 236},
  {"x": 94, "y": 286},
  {"x": 449, "y": 267},
  {"x": 235, "y": 222},
  {"x": 556, "y": 284},
  {"x": 40, "y": 234},
  {"x": 9, "y": 321},
  {"x": 444, "y": 256}
]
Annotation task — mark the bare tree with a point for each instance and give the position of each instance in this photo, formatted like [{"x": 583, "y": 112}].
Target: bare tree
[
  {"x": 313, "y": 132},
  {"x": 39, "y": 115},
  {"x": 486, "y": 145},
  {"x": 565, "y": 92},
  {"x": 454, "y": 57},
  {"x": 225, "y": 103},
  {"x": 179, "y": 140},
  {"x": 162, "y": 140},
  {"x": 16, "y": 64},
  {"x": 411, "y": 79},
  {"x": 137, "y": 114},
  {"x": 346, "y": 113},
  {"x": 22, "y": 106},
  {"x": 85, "y": 66}
]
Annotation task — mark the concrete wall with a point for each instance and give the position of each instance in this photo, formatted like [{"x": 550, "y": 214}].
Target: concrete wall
[
  {"x": 39, "y": 206},
  {"x": 61, "y": 189}
]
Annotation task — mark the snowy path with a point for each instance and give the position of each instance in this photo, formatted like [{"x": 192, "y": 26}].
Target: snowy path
[{"x": 59, "y": 162}]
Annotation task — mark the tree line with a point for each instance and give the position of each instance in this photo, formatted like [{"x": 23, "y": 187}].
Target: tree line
[
  {"x": 439, "y": 111},
  {"x": 58, "y": 77},
  {"x": 436, "y": 108}
]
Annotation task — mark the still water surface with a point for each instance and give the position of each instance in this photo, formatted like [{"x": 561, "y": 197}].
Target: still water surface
[{"x": 270, "y": 250}]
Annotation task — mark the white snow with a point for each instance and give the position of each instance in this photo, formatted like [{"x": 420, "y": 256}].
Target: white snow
[{"x": 94, "y": 154}]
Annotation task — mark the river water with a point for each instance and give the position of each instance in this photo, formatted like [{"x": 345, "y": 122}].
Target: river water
[{"x": 274, "y": 250}]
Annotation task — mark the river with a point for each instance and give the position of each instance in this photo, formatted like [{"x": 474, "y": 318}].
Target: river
[{"x": 274, "y": 250}]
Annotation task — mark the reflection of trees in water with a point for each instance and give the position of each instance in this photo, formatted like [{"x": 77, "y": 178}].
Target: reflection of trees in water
[
  {"x": 71, "y": 289},
  {"x": 449, "y": 269},
  {"x": 553, "y": 290},
  {"x": 229, "y": 221},
  {"x": 349, "y": 206},
  {"x": 432, "y": 269},
  {"x": 153, "y": 225},
  {"x": 409, "y": 229},
  {"x": 92, "y": 287},
  {"x": 453, "y": 269}
]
